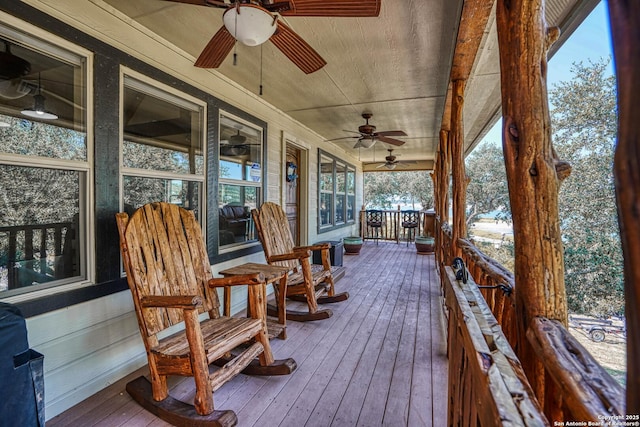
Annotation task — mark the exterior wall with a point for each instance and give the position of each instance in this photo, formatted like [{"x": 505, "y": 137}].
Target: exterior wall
[{"x": 90, "y": 345}]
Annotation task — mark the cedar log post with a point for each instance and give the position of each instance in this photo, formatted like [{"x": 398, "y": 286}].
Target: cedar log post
[
  {"x": 443, "y": 194},
  {"x": 625, "y": 29},
  {"x": 459, "y": 229},
  {"x": 533, "y": 181}
]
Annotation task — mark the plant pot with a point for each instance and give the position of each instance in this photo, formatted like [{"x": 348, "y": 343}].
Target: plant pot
[
  {"x": 424, "y": 245},
  {"x": 352, "y": 245}
]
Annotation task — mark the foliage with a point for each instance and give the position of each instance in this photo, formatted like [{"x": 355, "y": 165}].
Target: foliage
[
  {"x": 487, "y": 190},
  {"x": 584, "y": 118},
  {"x": 385, "y": 189}
]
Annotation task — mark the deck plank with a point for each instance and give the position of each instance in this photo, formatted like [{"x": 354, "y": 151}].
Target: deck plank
[{"x": 379, "y": 360}]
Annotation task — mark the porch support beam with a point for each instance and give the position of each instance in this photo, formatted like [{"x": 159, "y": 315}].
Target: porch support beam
[
  {"x": 441, "y": 189},
  {"x": 625, "y": 28},
  {"x": 460, "y": 180},
  {"x": 534, "y": 174}
]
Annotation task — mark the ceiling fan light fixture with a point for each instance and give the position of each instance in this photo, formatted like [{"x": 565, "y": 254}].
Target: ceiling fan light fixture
[
  {"x": 237, "y": 139},
  {"x": 367, "y": 142},
  {"x": 249, "y": 24},
  {"x": 390, "y": 165}
]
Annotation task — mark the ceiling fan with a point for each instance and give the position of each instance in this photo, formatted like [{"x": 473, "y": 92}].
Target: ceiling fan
[
  {"x": 391, "y": 161},
  {"x": 253, "y": 22},
  {"x": 368, "y": 136},
  {"x": 235, "y": 145}
]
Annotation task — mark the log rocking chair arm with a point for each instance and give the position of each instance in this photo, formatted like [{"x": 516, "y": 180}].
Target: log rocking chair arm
[
  {"x": 316, "y": 247},
  {"x": 296, "y": 254},
  {"x": 244, "y": 279},
  {"x": 186, "y": 302}
]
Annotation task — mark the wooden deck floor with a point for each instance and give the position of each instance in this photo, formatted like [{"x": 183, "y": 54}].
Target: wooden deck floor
[{"x": 380, "y": 360}]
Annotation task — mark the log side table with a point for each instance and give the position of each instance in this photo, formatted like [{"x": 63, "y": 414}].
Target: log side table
[{"x": 273, "y": 274}]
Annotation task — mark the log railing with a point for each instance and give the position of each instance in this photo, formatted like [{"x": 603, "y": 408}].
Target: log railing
[
  {"x": 496, "y": 285},
  {"x": 38, "y": 253},
  {"x": 579, "y": 388},
  {"x": 487, "y": 386}
]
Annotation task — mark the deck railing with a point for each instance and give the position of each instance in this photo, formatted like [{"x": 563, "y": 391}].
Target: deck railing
[
  {"x": 38, "y": 253},
  {"x": 578, "y": 389},
  {"x": 487, "y": 386},
  {"x": 391, "y": 228}
]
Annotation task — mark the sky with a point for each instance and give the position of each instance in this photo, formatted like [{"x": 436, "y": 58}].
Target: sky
[{"x": 591, "y": 41}]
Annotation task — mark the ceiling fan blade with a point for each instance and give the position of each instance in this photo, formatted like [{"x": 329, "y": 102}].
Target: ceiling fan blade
[
  {"x": 391, "y": 141},
  {"x": 296, "y": 49},
  {"x": 216, "y": 50},
  {"x": 390, "y": 133},
  {"x": 214, "y": 3},
  {"x": 337, "y": 8}
]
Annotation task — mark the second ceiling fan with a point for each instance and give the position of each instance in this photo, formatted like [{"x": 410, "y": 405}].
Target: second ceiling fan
[
  {"x": 253, "y": 22},
  {"x": 368, "y": 136}
]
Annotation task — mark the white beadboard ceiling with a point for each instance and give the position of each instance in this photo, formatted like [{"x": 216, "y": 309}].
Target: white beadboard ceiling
[{"x": 395, "y": 66}]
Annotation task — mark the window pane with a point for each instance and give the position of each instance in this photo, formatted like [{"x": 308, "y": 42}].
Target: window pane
[
  {"x": 141, "y": 190},
  {"x": 351, "y": 208},
  {"x": 161, "y": 133},
  {"x": 235, "y": 205},
  {"x": 340, "y": 177},
  {"x": 351, "y": 181},
  {"x": 240, "y": 151},
  {"x": 340, "y": 208},
  {"x": 326, "y": 174},
  {"x": 326, "y": 206},
  {"x": 39, "y": 226},
  {"x": 43, "y": 104}
]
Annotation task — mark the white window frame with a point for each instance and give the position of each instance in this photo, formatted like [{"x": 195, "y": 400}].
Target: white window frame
[
  {"x": 147, "y": 84},
  {"x": 50, "y": 45}
]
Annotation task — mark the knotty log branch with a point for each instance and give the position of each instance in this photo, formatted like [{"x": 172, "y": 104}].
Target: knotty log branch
[
  {"x": 587, "y": 388},
  {"x": 625, "y": 27}
]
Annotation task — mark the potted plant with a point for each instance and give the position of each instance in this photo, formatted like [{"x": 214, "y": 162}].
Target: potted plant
[
  {"x": 352, "y": 245},
  {"x": 424, "y": 244}
]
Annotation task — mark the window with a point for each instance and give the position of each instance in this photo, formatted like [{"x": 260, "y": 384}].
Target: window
[
  {"x": 45, "y": 164},
  {"x": 337, "y": 188},
  {"x": 162, "y": 146},
  {"x": 240, "y": 180}
]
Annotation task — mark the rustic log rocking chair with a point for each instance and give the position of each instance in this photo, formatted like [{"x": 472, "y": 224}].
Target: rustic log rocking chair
[
  {"x": 309, "y": 283},
  {"x": 169, "y": 275}
]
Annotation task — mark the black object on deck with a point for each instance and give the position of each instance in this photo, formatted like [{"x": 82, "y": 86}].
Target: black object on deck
[
  {"x": 335, "y": 253},
  {"x": 21, "y": 373}
]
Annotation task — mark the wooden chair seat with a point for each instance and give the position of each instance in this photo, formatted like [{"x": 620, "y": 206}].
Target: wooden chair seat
[
  {"x": 217, "y": 334},
  {"x": 313, "y": 284},
  {"x": 169, "y": 275}
]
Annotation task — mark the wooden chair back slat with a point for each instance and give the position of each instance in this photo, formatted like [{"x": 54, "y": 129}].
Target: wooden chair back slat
[
  {"x": 274, "y": 232},
  {"x": 165, "y": 255}
]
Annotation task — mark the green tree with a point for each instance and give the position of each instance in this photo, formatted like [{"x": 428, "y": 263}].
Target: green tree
[
  {"x": 584, "y": 119},
  {"x": 487, "y": 190},
  {"x": 387, "y": 189}
]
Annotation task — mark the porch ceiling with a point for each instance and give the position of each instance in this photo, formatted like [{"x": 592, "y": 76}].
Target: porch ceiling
[{"x": 396, "y": 66}]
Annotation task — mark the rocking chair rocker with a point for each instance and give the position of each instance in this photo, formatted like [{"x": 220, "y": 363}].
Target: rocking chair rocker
[
  {"x": 308, "y": 283},
  {"x": 169, "y": 275}
]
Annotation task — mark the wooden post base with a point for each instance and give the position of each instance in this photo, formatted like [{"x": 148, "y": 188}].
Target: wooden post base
[{"x": 174, "y": 411}]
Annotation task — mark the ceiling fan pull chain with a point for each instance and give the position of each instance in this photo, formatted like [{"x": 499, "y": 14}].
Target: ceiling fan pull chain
[
  {"x": 261, "y": 69},
  {"x": 235, "y": 37}
]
